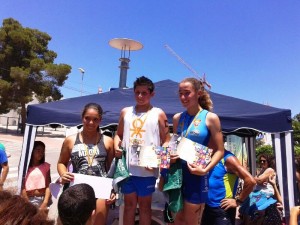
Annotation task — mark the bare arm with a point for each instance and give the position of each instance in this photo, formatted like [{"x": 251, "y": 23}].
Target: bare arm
[
  {"x": 295, "y": 212},
  {"x": 233, "y": 166},
  {"x": 5, "y": 169},
  {"x": 264, "y": 177},
  {"x": 119, "y": 134},
  {"x": 109, "y": 146},
  {"x": 272, "y": 181},
  {"x": 176, "y": 118},
  {"x": 64, "y": 159},
  {"x": 164, "y": 131},
  {"x": 216, "y": 140},
  {"x": 23, "y": 191},
  {"x": 47, "y": 197}
]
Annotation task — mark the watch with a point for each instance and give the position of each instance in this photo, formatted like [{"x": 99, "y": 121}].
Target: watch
[{"x": 238, "y": 200}]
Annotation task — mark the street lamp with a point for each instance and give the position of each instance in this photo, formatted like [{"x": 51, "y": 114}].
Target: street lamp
[{"x": 82, "y": 73}]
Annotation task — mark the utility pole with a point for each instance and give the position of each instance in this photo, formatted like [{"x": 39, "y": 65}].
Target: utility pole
[{"x": 82, "y": 73}]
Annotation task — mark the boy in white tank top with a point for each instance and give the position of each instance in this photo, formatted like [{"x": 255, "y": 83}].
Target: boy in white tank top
[{"x": 140, "y": 125}]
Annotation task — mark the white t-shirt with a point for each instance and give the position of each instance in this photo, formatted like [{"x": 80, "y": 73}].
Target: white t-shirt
[{"x": 140, "y": 129}]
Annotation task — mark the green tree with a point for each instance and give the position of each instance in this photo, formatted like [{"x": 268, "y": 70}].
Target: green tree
[
  {"x": 296, "y": 133},
  {"x": 264, "y": 149},
  {"x": 27, "y": 68}
]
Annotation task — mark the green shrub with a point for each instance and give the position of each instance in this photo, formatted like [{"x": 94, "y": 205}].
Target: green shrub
[
  {"x": 264, "y": 149},
  {"x": 297, "y": 150}
]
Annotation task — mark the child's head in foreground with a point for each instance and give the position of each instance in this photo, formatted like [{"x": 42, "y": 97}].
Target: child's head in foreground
[{"x": 76, "y": 205}]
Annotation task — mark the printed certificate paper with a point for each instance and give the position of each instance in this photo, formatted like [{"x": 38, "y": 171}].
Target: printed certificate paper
[
  {"x": 193, "y": 152},
  {"x": 101, "y": 185},
  {"x": 148, "y": 157}
]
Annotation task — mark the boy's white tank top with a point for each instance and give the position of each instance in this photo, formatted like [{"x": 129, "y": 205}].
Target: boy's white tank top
[{"x": 144, "y": 128}]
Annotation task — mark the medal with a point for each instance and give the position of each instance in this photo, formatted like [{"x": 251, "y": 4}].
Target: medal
[
  {"x": 90, "y": 158},
  {"x": 135, "y": 142},
  {"x": 89, "y": 171}
]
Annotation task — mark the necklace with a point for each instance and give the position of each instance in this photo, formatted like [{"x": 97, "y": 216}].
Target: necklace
[{"x": 90, "y": 158}]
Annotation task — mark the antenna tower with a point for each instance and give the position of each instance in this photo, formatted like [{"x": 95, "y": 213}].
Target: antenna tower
[{"x": 126, "y": 46}]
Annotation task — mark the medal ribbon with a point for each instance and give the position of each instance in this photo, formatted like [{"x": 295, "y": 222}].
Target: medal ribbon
[
  {"x": 190, "y": 125},
  {"x": 90, "y": 159}
]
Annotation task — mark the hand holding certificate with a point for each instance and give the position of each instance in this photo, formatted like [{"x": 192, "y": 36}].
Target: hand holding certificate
[
  {"x": 101, "y": 185},
  {"x": 193, "y": 152},
  {"x": 154, "y": 157}
]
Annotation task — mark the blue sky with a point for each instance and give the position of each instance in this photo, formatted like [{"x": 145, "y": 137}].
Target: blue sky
[{"x": 248, "y": 49}]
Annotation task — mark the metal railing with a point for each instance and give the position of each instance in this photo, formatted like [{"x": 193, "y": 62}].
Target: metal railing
[{"x": 10, "y": 124}]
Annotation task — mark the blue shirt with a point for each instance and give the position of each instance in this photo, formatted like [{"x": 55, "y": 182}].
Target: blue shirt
[
  {"x": 3, "y": 159},
  {"x": 222, "y": 184}
]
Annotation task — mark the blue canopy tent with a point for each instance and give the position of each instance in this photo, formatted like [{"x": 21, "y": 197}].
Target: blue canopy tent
[{"x": 240, "y": 117}]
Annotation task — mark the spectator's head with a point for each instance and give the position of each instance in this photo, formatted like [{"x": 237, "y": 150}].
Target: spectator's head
[
  {"x": 76, "y": 205},
  {"x": 14, "y": 209},
  {"x": 265, "y": 161},
  {"x": 38, "y": 153}
]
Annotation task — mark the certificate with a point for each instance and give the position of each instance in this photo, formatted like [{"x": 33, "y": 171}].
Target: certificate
[
  {"x": 148, "y": 157},
  {"x": 101, "y": 185},
  {"x": 193, "y": 152}
]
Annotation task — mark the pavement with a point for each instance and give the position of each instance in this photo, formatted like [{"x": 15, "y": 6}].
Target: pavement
[
  {"x": 13, "y": 145},
  {"x": 13, "y": 141}
]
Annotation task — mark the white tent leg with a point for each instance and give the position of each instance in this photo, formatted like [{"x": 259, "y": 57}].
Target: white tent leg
[
  {"x": 282, "y": 143},
  {"x": 28, "y": 141}
]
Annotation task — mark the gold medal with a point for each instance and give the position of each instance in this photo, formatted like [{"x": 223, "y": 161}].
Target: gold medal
[{"x": 89, "y": 171}]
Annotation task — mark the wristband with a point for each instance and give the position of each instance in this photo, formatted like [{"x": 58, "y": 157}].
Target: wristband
[{"x": 238, "y": 200}]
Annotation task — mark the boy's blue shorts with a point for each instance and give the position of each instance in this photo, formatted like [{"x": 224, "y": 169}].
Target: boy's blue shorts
[{"x": 142, "y": 186}]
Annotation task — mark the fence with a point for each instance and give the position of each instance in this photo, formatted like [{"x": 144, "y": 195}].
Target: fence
[{"x": 10, "y": 124}]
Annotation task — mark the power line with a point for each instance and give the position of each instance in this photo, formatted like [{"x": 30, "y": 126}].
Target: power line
[{"x": 75, "y": 89}]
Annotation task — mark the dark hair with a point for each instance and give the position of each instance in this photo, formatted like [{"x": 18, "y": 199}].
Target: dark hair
[
  {"x": 144, "y": 81},
  {"x": 14, "y": 209},
  {"x": 36, "y": 144},
  {"x": 270, "y": 160},
  {"x": 92, "y": 105},
  {"x": 297, "y": 164},
  {"x": 76, "y": 204},
  {"x": 204, "y": 100}
]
